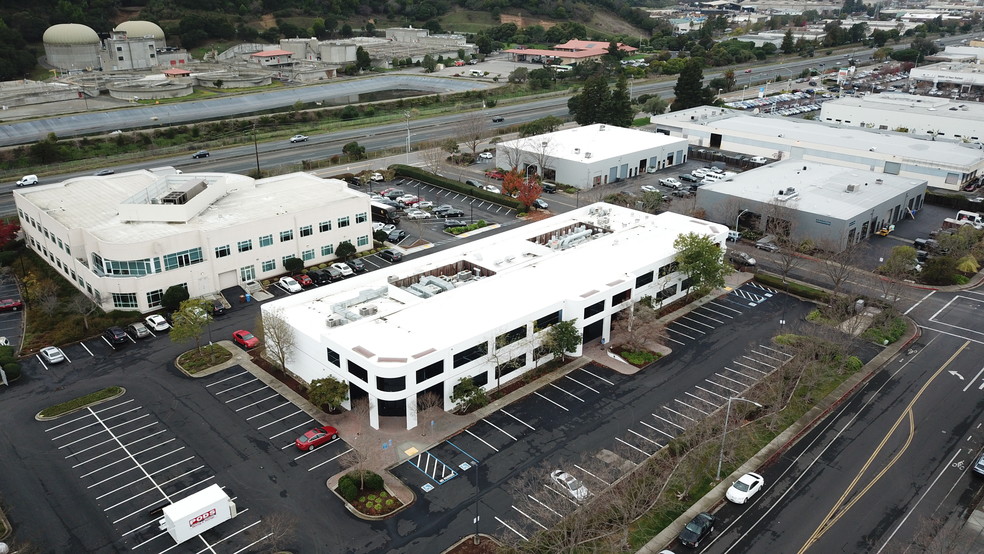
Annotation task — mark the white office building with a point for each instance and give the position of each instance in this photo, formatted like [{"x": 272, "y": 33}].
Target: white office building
[
  {"x": 124, "y": 239},
  {"x": 592, "y": 155},
  {"x": 925, "y": 116},
  {"x": 942, "y": 164},
  {"x": 479, "y": 310}
]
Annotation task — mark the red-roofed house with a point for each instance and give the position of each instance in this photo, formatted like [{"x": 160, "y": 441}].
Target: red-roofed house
[
  {"x": 175, "y": 73},
  {"x": 268, "y": 58},
  {"x": 570, "y": 52}
]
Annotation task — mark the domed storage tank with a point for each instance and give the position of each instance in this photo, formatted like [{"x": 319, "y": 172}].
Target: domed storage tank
[
  {"x": 71, "y": 46},
  {"x": 137, "y": 29}
]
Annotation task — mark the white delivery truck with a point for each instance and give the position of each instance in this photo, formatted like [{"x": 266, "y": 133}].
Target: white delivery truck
[{"x": 195, "y": 514}]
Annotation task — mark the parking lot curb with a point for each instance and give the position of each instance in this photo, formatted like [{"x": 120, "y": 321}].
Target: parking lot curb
[{"x": 783, "y": 441}]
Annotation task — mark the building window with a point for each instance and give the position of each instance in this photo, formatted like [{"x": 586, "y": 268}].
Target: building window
[
  {"x": 222, "y": 251},
  {"x": 358, "y": 371},
  {"x": 333, "y": 358},
  {"x": 247, "y": 272},
  {"x": 391, "y": 384},
  {"x": 266, "y": 240},
  {"x": 154, "y": 298},
  {"x": 124, "y": 300},
  {"x": 327, "y": 250},
  {"x": 120, "y": 58},
  {"x": 284, "y": 259},
  {"x": 621, "y": 297},
  {"x": 343, "y": 222},
  {"x": 511, "y": 366},
  {"x": 363, "y": 240},
  {"x": 269, "y": 265},
  {"x": 429, "y": 371},
  {"x": 287, "y": 235},
  {"x": 594, "y": 309},
  {"x": 510, "y": 337},
  {"x": 548, "y": 320},
  {"x": 183, "y": 259},
  {"x": 119, "y": 49},
  {"x": 308, "y": 255},
  {"x": 471, "y": 354},
  {"x": 324, "y": 226},
  {"x": 481, "y": 379},
  {"x": 644, "y": 279},
  {"x": 306, "y": 231},
  {"x": 361, "y": 218},
  {"x": 668, "y": 268},
  {"x": 245, "y": 245}
]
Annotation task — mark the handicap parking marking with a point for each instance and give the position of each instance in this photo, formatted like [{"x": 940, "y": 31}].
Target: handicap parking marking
[
  {"x": 768, "y": 291},
  {"x": 433, "y": 467},
  {"x": 753, "y": 299}
]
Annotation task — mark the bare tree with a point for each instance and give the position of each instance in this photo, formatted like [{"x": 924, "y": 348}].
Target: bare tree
[
  {"x": 473, "y": 129},
  {"x": 638, "y": 327},
  {"x": 278, "y": 528},
  {"x": 840, "y": 265},
  {"x": 513, "y": 152},
  {"x": 433, "y": 157},
  {"x": 279, "y": 336},
  {"x": 426, "y": 401},
  {"x": 365, "y": 453},
  {"x": 84, "y": 306},
  {"x": 541, "y": 149}
]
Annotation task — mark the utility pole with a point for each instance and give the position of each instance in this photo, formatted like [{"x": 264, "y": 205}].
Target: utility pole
[{"x": 256, "y": 150}]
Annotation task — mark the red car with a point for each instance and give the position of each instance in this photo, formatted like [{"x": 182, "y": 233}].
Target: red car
[
  {"x": 303, "y": 280},
  {"x": 245, "y": 339},
  {"x": 316, "y": 437},
  {"x": 9, "y": 305},
  {"x": 497, "y": 175}
]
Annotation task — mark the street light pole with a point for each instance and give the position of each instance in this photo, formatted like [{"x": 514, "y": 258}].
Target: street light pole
[
  {"x": 739, "y": 217},
  {"x": 256, "y": 150},
  {"x": 406, "y": 114},
  {"x": 724, "y": 435}
]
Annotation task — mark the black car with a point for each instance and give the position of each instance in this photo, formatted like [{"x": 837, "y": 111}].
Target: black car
[
  {"x": 453, "y": 212},
  {"x": 357, "y": 265},
  {"x": 498, "y": 119},
  {"x": 439, "y": 211},
  {"x": 450, "y": 223},
  {"x": 218, "y": 308},
  {"x": 333, "y": 274},
  {"x": 396, "y": 235},
  {"x": 697, "y": 530},
  {"x": 689, "y": 178},
  {"x": 320, "y": 277},
  {"x": 391, "y": 255},
  {"x": 549, "y": 188},
  {"x": 201, "y": 154},
  {"x": 115, "y": 336}
]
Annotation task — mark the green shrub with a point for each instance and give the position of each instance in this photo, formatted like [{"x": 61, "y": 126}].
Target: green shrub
[
  {"x": 347, "y": 489},
  {"x": 794, "y": 288},
  {"x": 373, "y": 481},
  {"x": 13, "y": 371},
  {"x": 639, "y": 358},
  {"x": 814, "y": 315},
  {"x": 389, "y": 503},
  {"x": 348, "y": 477},
  {"x": 853, "y": 364}
]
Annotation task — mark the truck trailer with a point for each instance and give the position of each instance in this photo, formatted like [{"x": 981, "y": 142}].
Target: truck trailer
[{"x": 193, "y": 515}]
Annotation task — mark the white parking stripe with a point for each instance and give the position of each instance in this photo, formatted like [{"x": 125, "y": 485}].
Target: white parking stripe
[
  {"x": 305, "y": 424},
  {"x": 680, "y": 333},
  {"x": 254, "y": 543},
  {"x": 681, "y": 427},
  {"x": 95, "y": 424},
  {"x": 746, "y": 366},
  {"x": 711, "y": 392},
  {"x": 597, "y": 376},
  {"x": 719, "y": 304},
  {"x": 592, "y": 474},
  {"x": 694, "y": 321},
  {"x": 244, "y": 395},
  {"x": 739, "y": 373},
  {"x": 277, "y": 407},
  {"x": 534, "y": 499},
  {"x": 148, "y": 476},
  {"x": 704, "y": 400},
  {"x": 97, "y": 470},
  {"x": 582, "y": 384},
  {"x": 500, "y": 429},
  {"x": 550, "y": 401},
  {"x": 87, "y": 349},
  {"x": 758, "y": 362},
  {"x": 143, "y": 509},
  {"x": 729, "y": 389},
  {"x": 479, "y": 438},
  {"x": 86, "y": 416},
  {"x": 281, "y": 419},
  {"x": 678, "y": 413},
  {"x": 517, "y": 419},
  {"x": 151, "y": 539},
  {"x": 125, "y": 471},
  {"x": 732, "y": 380},
  {"x": 520, "y": 535},
  {"x": 236, "y": 387},
  {"x": 699, "y": 312},
  {"x": 226, "y": 379},
  {"x": 565, "y": 392},
  {"x": 330, "y": 459},
  {"x": 658, "y": 430},
  {"x": 120, "y": 448},
  {"x": 689, "y": 328},
  {"x": 645, "y": 438},
  {"x": 544, "y": 527},
  {"x": 691, "y": 407},
  {"x": 106, "y": 430},
  {"x": 98, "y": 444},
  {"x": 274, "y": 395},
  {"x": 780, "y": 360},
  {"x": 633, "y": 447},
  {"x": 780, "y": 352}
]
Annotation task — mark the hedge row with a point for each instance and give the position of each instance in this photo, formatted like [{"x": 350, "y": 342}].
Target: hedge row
[
  {"x": 798, "y": 289},
  {"x": 428, "y": 177}
]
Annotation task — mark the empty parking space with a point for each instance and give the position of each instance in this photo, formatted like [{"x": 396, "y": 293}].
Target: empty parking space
[
  {"x": 130, "y": 465},
  {"x": 275, "y": 418}
]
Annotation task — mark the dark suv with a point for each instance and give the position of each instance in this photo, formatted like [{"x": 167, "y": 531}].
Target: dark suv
[
  {"x": 115, "y": 336},
  {"x": 218, "y": 308},
  {"x": 320, "y": 277}
]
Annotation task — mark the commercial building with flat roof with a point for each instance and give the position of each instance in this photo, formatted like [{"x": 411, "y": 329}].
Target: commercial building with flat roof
[
  {"x": 927, "y": 116},
  {"x": 124, "y": 239},
  {"x": 946, "y": 165},
  {"x": 592, "y": 155},
  {"x": 480, "y": 310},
  {"x": 832, "y": 206}
]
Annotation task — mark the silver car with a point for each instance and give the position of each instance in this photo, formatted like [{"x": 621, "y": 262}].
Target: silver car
[
  {"x": 570, "y": 484},
  {"x": 52, "y": 354},
  {"x": 138, "y": 330}
]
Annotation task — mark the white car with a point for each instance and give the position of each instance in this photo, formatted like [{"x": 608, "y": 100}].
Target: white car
[
  {"x": 4, "y": 341},
  {"x": 298, "y": 138},
  {"x": 758, "y": 159},
  {"x": 417, "y": 214},
  {"x": 485, "y": 156},
  {"x": 344, "y": 269},
  {"x": 376, "y": 177},
  {"x": 671, "y": 183},
  {"x": 574, "y": 487},
  {"x": 157, "y": 322},
  {"x": 648, "y": 188},
  {"x": 492, "y": 188},
  {"x": 388, "y": 228},
  {"x": 425, "y": 204},
  {"x": 700, "y": 172},
  {"x": 289, "y": 284},
  {"x": 377, "y": 225},
  {"x": 745, "y": 487},
  {"x": 52, "y": 354},
  {"x": 652, "y": 169}
]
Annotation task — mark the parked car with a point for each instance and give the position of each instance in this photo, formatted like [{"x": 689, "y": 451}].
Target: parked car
[
  {"x": 417, "y": 214},
  {"x": 485, "y": 156},
  {"x": 345, "y": 270},
  {"x": 741, "y": 258},
  {"x": 333, "y": 274},
  {"x": 425, "y": 204},
  {"x": 700, "y": 172},
  {"x": 745, "y": 487},
  {"x": 245, "y": 339},
  {"x": 758, "y": 159},
  {"x": 495, "y": 174},
  {"x": 979, "y": 466},
  {"x": 648, "y": 188},
  {"x": 408, "y": 200},
  {"x": 734, "y": 236},
  {"x": 767, "y": 246},
  {"x": 357, "y": 265},
  {"x": 391, "y": 255},
  {"x": 697, "y": 530},
  {"x": 104, "y": 172},
  {"x": 9, "y": 305},
  {"x": 454, "y": 212},
  {"x": 498, "y": 119},
  {"x": 157, "y": 323},
  {"x": 473, "y": 183},
  {"x": 289, "y": 284},
  {"x": 316, "y": 437},
  {"x": 396, "y": 236},
  {"x": 652, "y": 169},
  {"x": 452, "y": 223},
  {"x": 320, "y": 277},
  {"x": 200, "y": 154},
  {"x": 540, "y": 204},
  {"x": 27, "y": 180},
  {"x": 377, "y": 177},
  {"x": 689, "y": 178},
  {"x": 670, "y": 182},
  {"x": 439, "y": 211},
  {"x": 115, "y": 336},
  {"x": 570, "y": 484},
  {"x": 549, "y": 188},
  {"x": 493, "y": 189},
  {"x": 298, "y": 138},
  {"x": 52, "y": 354},
  {"x": 388, "y": 228},
  {"x": 137, "y": 330}
]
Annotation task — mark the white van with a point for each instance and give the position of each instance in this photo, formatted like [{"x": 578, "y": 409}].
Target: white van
[
  {"x": 476, "y": 73},
  {"x": 27, "y": 180},
  {"x": 713, "y": 177}
]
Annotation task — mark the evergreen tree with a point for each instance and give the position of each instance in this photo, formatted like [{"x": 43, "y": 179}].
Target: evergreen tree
[
  {"x": 618, "y": 110},
  {"x": 689, "y": 91},
  {"x": 787, "y": 42},
  {"x": 588, "y": 106}
]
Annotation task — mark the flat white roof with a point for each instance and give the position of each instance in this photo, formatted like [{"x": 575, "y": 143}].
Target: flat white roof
[
  {"x": 527, "y": 275},
  {"x": 821, "y": 189},
  {"x": 93, "y": 203},
  {"x": 902, "y": 103},
  {"x": 600, "y": 140},
  {"x": 819, "y": 134}
]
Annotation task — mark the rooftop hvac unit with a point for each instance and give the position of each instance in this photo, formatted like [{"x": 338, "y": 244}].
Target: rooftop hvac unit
[
  {"x": 368, "y": 310},
  {"x": 577, "y": 150},
  {"x": 465, "y": 275},
  {"x": 852, "y": 188},
  {"x": 335, "y": 322},
  {"x": 878, "y": 181},
  {"x": 587, "y": 154}
]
